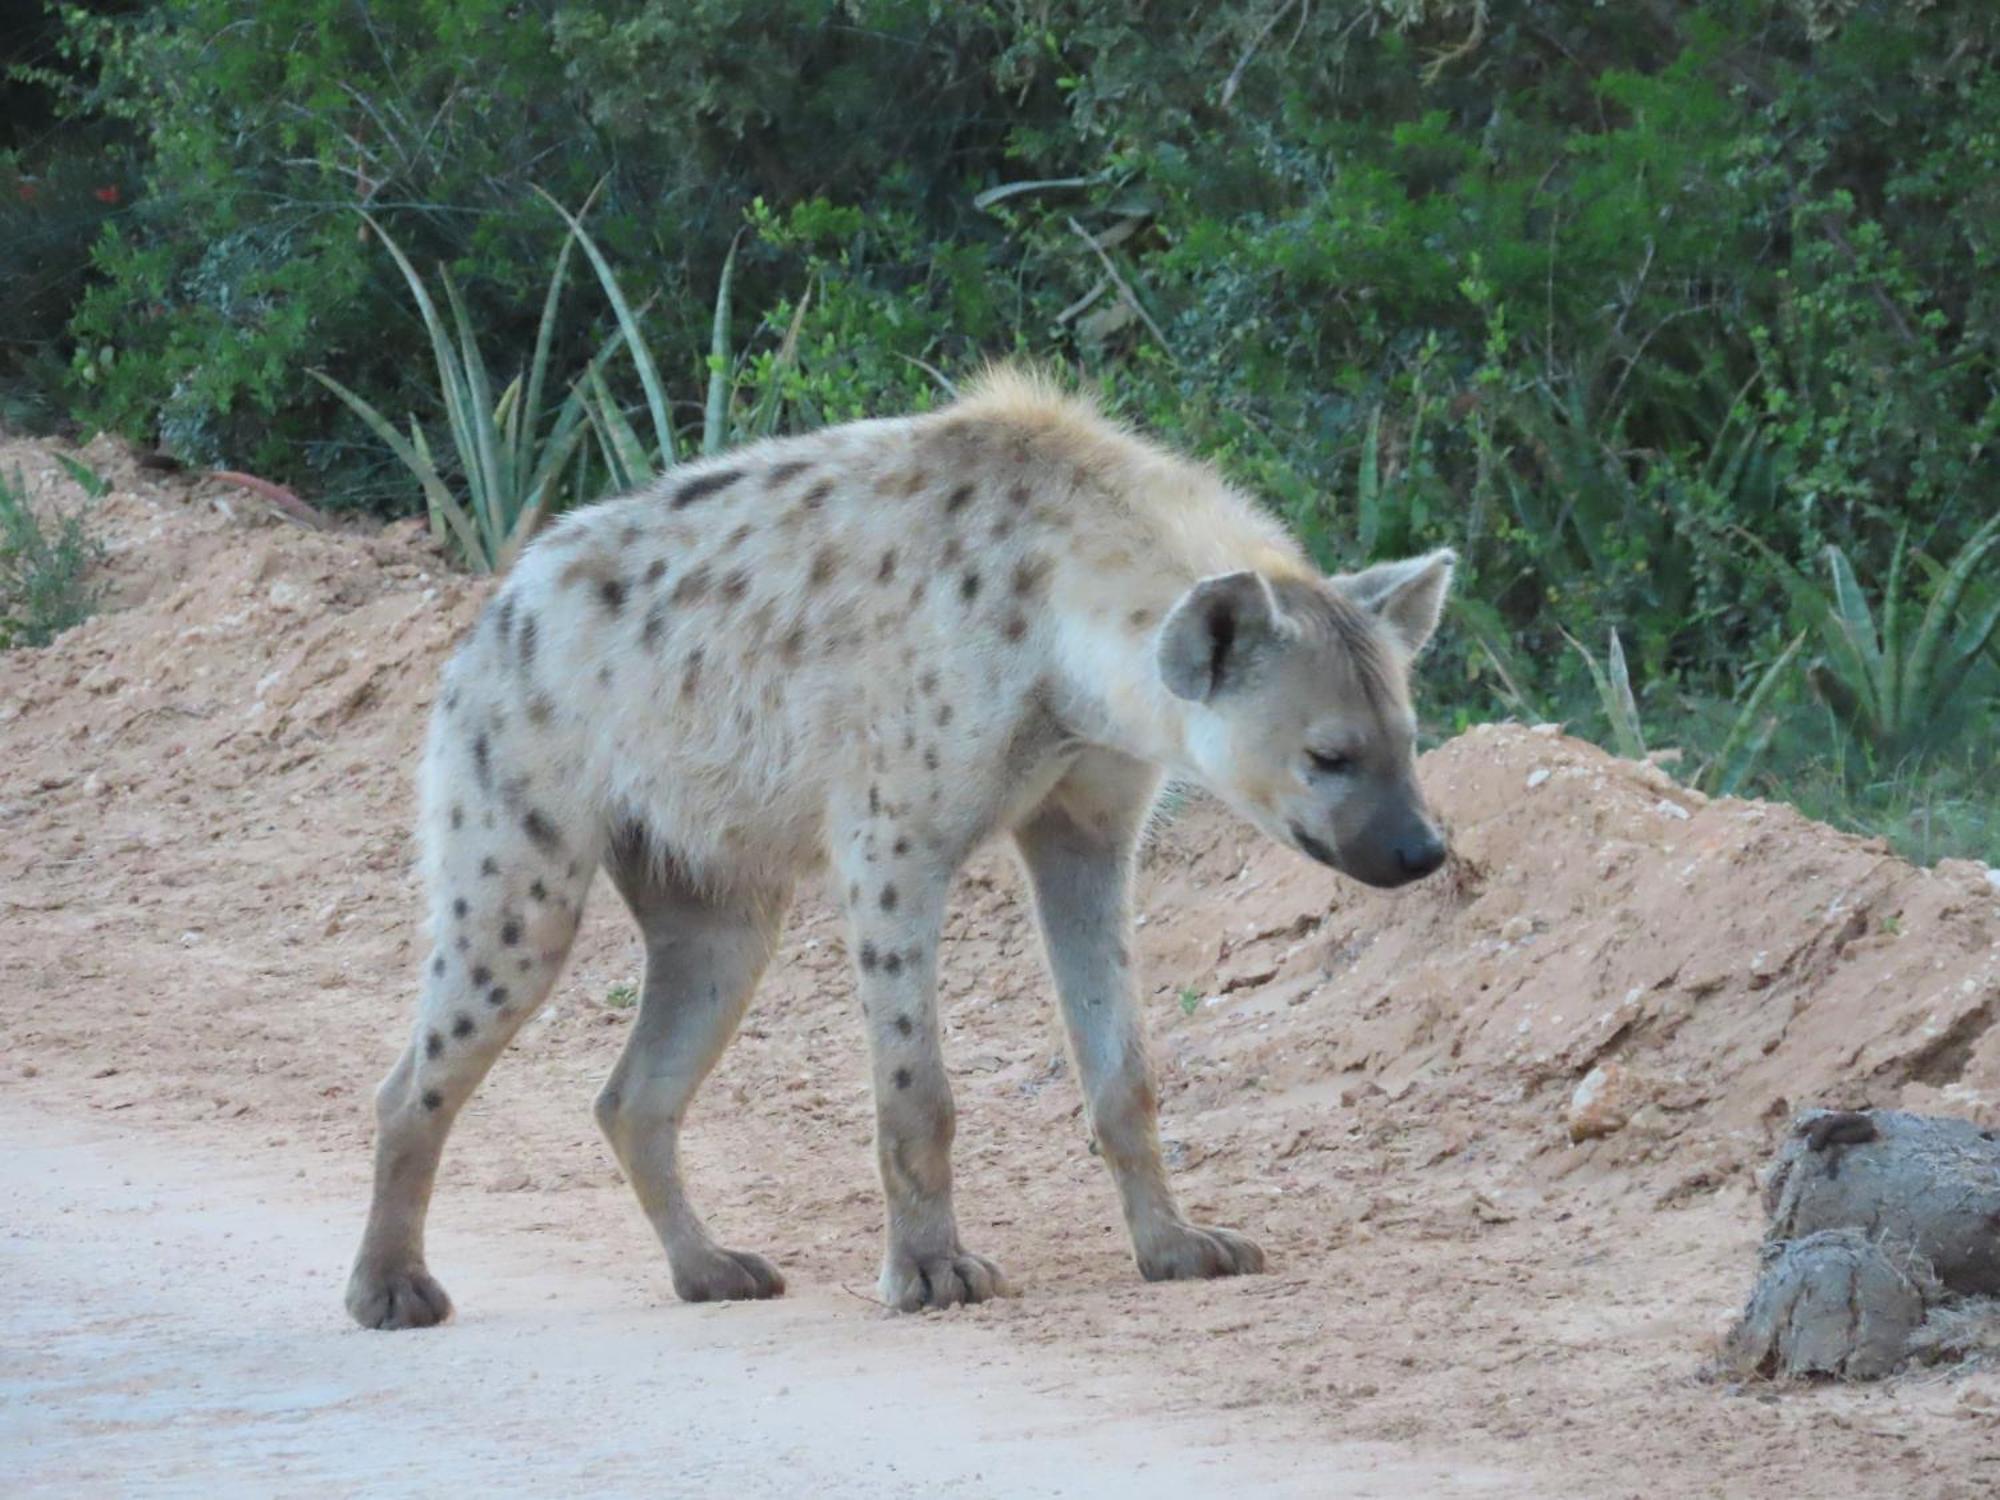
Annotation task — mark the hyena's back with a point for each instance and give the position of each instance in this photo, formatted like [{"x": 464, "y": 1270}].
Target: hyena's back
[{"x": 862, "y": 612}]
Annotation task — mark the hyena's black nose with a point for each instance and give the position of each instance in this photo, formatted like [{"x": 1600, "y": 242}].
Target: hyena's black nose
[{"x": 1421, "y": 855}]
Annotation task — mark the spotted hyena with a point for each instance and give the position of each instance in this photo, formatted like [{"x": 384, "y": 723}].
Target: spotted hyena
[{"x": 868, "y": 650}]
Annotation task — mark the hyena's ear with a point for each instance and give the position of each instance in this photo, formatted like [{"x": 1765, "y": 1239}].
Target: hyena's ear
[
  {"x": 1213, "y": 639},
  {"x": 1408, "y": 595}
]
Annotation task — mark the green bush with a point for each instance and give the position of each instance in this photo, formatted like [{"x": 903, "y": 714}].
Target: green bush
[
  {"x": 1588, "y": 291},
  {"x": 44, "y": 563}
]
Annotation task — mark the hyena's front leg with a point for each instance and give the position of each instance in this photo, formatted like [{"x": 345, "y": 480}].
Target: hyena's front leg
[
  {"x": 1078, "y": 848},
  {"x": 895, "y": 912}
]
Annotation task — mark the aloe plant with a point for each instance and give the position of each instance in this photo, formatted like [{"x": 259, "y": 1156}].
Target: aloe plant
[
  {"x": 1750, "y": 731},
  {"x": 1614, "y": 692},
  {"x": 1890, "y": 674},
  {"x": 515, "y": 471},
  {"x": 627, "y": 457}
]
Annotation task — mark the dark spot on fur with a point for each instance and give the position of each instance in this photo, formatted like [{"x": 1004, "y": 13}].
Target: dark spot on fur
[
  {"x": 604, "y": 675},
  {"x": 815, "y": 497},
  {"x": 790, "y": 469},
  {"x": 703, "y": 485},
  {"x": 916, "y": 593},
  {"x": 887, "y": 570},
  {"x": 437, "y": 966},
  {"x": 904, "y": 1026},
  {"x": 1140, "y": 618},
  {"x": 529, "y": 630},
  {"x": 510, "y": 933},
  {"x": 612, "y": 592},
  {"x": 853, "y": 891},
  {"x": 735, "y": 586},
  {"x": 902, "y": 1076},
  {"x": 1028, "y": 575},
  {"x": 901, "y": 846},
  {"x": 928, "y": 683},
  {"x": 930, "y": 757},
  {"x": 461, "y": 942},
  {"x": 794, "y": 644},
  {"x": 540, "y": 709},
  {"x": 656, "y": 570},
  {"x": 892, "y": 962},
  {"x": 874, "y": 802},
  {"x": 433, "y": 1100},
  {"x": 482, "y": 762},
  {"x": 957, "y": 500},
  {"x": 888, "y": 898},
  {"x": 628, "y": 536},
  {"x": 656, "y": 626},
  {"x": 1018, "y": 493},
  {"x": 953, "y": 551},
  {"x": 692, "y": 586},
  {"x": 459, "y": 908},
  {"x": 824, "y": 562},
  {"x": 739, "y": 536},
  {"x": 481, "y": 977},
  {"x": 462, "y": 1026},
  {"x": 497, "y": 996},
  {"x": 504, "y": 618},
  {"x": 538, "y": 892},
  {"x": 869, "y": 958},
  {"x": 457, "y": 816},
  {"x": 540, "y": 831},
  {"x": 433, "y": 1045},
  {"x": 691, "y": 673},
  {"x": 1015, "y": 628},
  {"x": 968, "y": 586},
  {"x": 489, "y": 866},
  {"x": 944, "y": 714}
]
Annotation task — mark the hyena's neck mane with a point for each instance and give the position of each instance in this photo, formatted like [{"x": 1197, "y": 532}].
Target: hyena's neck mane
[{"x": 1139, "y": 526}]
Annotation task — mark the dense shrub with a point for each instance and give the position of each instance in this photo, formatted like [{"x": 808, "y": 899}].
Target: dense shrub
[{"x": 1589, "y": 290}]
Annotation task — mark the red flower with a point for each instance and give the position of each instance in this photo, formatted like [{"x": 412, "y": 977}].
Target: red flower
[
  {"x": 26, "y": 190},
  {"x": 106, "y": 194}
]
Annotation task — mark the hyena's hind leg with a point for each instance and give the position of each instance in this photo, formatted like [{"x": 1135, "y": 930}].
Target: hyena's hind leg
[
  {"x": 507, "y": 893},
  {"x": 704, "y": 955}
]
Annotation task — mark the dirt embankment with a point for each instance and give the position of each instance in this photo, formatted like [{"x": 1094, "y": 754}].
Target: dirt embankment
[{"x": 210, "y": 929}]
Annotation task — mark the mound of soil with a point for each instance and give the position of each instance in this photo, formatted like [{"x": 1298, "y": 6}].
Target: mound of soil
[{"x": 212, "y": 928}]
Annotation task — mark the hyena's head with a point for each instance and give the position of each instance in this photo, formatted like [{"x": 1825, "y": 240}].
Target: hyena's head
[{"x": 1300, "y": 715}]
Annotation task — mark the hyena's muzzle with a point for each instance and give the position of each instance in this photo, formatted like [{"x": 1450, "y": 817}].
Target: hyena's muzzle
[{"x": 1382, "y": 835}]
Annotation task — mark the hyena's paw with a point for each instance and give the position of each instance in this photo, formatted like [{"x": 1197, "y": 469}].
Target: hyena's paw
[
  {"x": 406, "y": 1297},
  {"x": 912, "y": 1282},
  {"x": 718, "y": 1275},
  {"x": 1192, "y": 1252}
]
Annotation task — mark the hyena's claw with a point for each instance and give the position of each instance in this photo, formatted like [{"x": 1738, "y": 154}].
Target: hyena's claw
[
  {"x": 1192, "y": 1252},
  {"x": 942, "y": 1281},
  {"x": 728, "y": 1276},
  {"x": 409, "y": 1297}
]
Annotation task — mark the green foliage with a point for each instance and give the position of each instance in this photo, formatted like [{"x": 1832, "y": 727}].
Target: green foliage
[
  {"x": 1892, "y": 674},
  {"x": 1586, "y": 291},
  {"x": 44, "y": 563}
]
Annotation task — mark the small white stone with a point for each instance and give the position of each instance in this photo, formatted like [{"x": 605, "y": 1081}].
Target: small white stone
[{"x": 1537, "y": 776}]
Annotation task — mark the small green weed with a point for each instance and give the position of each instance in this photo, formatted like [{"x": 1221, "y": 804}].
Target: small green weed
[
  {"x": 1190, "y": 1000},
  {"x": 621, "y": 997},
  {"x": 43, "y": 568}
]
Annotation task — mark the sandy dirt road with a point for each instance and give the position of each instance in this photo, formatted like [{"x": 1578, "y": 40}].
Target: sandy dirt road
[
  {"x": 172, "y": 1326},
  {"x": 209, "y": 928}
]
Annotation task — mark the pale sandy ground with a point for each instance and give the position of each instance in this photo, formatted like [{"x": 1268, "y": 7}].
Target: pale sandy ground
[
  {"x": 172, "y": 1327},
  {"x": 208, "y": 929}
]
